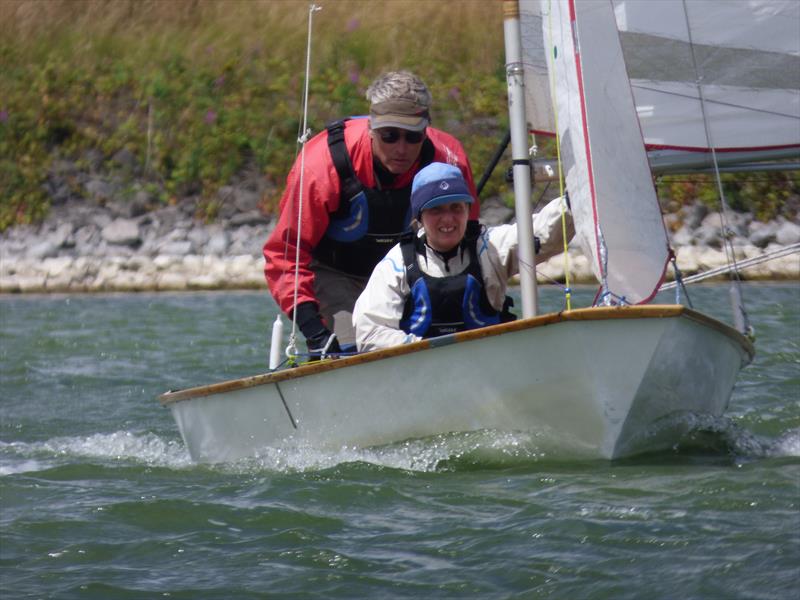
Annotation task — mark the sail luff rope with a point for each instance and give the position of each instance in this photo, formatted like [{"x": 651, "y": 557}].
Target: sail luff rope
[
  {"x": 291, "y": 349},
  {"x": 567, "y": 288},
  {"x": 727, "y": 243}
]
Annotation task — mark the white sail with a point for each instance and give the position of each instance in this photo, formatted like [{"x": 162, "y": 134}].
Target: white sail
[
  {"x": 682, "y": 76},
  {"x": 614, "y": 205},
  {"x": 744, "y": 53}
]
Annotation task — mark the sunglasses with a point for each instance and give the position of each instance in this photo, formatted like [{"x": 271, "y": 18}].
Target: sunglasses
[{"x": 390, "y": 135}]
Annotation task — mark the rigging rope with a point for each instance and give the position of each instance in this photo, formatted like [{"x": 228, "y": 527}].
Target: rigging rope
[
  {"x": 744, "y": 264},
  {"x": 680, "y": 284},
  {"x": 291, "y": 349},
  {"x": 740, "y": 316}
]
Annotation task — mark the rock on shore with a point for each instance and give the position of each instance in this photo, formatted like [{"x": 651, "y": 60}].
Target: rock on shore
[{"x": 100, "y": 245}]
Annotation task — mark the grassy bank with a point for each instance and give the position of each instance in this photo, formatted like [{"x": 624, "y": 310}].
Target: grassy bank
[
  {"x": 201, "y": 91},
  {"x": 204, "y": 92}
]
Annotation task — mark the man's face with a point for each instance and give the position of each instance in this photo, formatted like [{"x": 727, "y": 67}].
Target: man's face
[{"x": 396, "y": 149}]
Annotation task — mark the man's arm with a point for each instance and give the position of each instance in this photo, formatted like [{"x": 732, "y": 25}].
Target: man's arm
[{"x": 320, "y": 195}]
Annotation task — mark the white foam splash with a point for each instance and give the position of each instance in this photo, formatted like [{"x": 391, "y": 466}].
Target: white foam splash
[
  {"x": 489, "y": 448},
  {"x": 22, "y": 466},
  {"x": 124, "y": 446},
  {"x": 742, "y": 442},
  {"x": 787, "y": 445},
  {"x": 425, "y": 455}
]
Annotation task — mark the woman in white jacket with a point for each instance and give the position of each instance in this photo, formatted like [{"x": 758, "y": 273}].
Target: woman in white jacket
[{"x": 452, "y": 274}]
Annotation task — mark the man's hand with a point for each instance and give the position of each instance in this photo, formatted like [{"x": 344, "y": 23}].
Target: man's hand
[
  {"x": 317, "y": 345},
  {"x": 313, "y": 328}
]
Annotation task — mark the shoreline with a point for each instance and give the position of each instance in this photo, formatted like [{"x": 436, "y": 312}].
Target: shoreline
[
  {"x": 107, "y": 245},
  {"x": 170, "y": 273}
]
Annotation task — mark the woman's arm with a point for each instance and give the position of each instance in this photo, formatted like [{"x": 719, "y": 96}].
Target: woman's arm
[{"x": 379, "y": 308}]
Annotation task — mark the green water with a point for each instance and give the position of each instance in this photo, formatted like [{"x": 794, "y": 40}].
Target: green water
[{"x": 98, "y": 498}]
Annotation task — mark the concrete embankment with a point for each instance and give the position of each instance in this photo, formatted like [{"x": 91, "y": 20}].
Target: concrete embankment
[{"x": 91, "y": 247}]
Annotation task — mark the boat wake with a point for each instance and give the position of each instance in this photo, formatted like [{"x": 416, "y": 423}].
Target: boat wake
[
  {"x": 749, "y": 445},
  {"x": 725, "y": 438},
  {"x": 438, "y": 453},
  {"x": 720, "y": 438},
  {"x": 120, "y": 447},
  {"x": 715, "y": 438},
  {"x": 442, "y": 452}
]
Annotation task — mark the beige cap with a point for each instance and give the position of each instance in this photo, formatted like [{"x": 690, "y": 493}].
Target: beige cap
[{"x": 399, "y": 112}]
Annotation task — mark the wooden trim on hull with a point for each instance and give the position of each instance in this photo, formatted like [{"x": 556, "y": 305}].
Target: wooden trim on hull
[{"x": 581, "y": 314}]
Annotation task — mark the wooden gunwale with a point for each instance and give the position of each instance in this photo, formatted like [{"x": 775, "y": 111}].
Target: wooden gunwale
[{"x": 653, "y": 311}]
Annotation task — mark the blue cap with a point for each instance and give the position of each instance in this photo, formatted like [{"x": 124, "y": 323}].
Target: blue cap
[{"x": 438, "y": 184}]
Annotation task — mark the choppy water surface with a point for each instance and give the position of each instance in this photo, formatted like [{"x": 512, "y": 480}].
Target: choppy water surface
[{"x": 99, "y": 499}]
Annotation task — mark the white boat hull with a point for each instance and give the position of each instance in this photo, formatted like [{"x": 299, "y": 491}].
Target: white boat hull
[{"x": 599, "y": 382}]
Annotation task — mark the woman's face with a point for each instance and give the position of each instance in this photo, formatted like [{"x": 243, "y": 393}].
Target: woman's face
[{"x": 445, "y": 225}]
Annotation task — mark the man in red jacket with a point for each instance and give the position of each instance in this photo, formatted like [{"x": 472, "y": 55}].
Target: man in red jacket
[{"x": 354, "y": 192}]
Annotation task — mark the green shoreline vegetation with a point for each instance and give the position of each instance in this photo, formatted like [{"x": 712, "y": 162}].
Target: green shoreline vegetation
[{"x": 205, "y": 92}]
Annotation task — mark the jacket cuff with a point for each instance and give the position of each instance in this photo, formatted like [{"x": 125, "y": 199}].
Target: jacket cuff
[{"x": 309, "y": 320}]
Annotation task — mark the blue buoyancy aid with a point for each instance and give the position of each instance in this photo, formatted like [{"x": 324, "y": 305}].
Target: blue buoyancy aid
[
  {"x": 369, "y": 221},
  {"x": 442, "y": 305}
]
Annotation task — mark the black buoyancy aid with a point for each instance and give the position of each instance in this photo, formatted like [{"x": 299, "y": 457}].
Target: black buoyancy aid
[
  {"x": 442, "y": 305},
  {"x": 369, "y": 221}
]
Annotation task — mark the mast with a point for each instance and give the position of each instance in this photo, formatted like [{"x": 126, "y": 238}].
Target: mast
[{"x": 520, "y": 158}]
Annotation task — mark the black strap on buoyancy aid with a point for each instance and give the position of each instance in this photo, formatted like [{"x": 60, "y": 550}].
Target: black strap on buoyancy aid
[
  {"x": 368, "y": 221},
  {"x": 351, "y": 185},
  {"x": 442, "y": 305}
]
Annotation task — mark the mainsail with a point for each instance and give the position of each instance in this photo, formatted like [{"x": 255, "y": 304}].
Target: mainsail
[
  {"x": 744, "y": 53},
  {"x": 683, "y": 76}
]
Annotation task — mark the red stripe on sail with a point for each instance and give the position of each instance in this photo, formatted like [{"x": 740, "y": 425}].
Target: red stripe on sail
[{"x": 576, "y": 53}]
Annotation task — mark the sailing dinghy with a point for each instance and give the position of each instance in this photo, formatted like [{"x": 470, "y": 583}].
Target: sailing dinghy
[{"x": 608, "y": 381}]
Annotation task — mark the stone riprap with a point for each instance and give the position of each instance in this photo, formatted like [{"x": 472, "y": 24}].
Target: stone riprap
[{"x": 93, "y": 245}]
